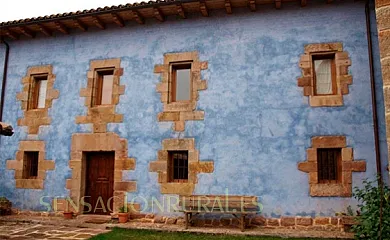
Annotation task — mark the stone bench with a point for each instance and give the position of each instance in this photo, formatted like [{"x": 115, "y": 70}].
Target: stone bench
[{"x": 238, "y": 206}]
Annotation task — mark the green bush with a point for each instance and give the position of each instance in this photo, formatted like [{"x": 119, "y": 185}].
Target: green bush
[{"x": 368, "y": 221}]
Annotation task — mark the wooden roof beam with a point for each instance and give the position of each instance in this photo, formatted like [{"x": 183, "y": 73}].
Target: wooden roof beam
[
  {"x": 203, "y": 8},
  {"x": 252, "y": 5},
  {"x": 26, "y": 32},
  {"x": 180, "y": 11},
  {"x": 44, "y": 30},
  {"x": 12, "y": 35},
  {"x": 303, "y": 3},
  {"x": 60, "y": 27},
  {"x": 117, "y": 19},
  {"x": 77, "y": 23},
  {"x": 228, "y": 7},
  {"x": 98, "y": 23},
  {"x": 278, "y": 4},
  {"x": 158, "y": 14},
  {"x": 138, "y": 18}
]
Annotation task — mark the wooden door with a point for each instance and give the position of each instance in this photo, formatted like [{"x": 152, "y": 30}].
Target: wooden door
[{"x": 99, "y": 177}]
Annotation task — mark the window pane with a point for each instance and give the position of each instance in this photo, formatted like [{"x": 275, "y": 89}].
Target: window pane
[
  {"x": 107, "y": 89},
  {"x": 327, "y": 163},
  {"x": 42, "y": 94},
  {"x": 323, "y": 71},
  {"x": 30, "y": 165},
  {"x": 178, "y": 166},
  {"x": 183, "y": 81}
]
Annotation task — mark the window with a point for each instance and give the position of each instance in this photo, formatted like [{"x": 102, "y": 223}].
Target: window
[
  {"x": 181, "y": 82},
  {"x": 178, "y": 164},
  {"x": 179, "y": 88},
  {"x": 30, "y": 165},
  {"x": 103, "y": 87},
  {"x": 37, "y": 93},
  {"x": 321, "y": 83},
  {"x": 329, "y": 165},
  {"x": 324, "y": 73}
]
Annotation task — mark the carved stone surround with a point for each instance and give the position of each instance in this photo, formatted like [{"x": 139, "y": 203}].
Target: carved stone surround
[
  {"x": 180, "y": 112},
  {"x": 194, "y": 166},
  {"x": 93, "y": 142},
  {"x": 101, "y": 115},
  {"x": 34, "y": 118},
  {"x": 348, "y": 165},
  {"x": 343, "y": 79},
  {"x": 43, "y": 165}
]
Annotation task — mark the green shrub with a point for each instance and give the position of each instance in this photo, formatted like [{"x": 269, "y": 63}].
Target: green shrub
[{"x": 368, "y": 221}]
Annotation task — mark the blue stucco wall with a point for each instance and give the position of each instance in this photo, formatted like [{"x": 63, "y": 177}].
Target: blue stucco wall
[{"x": 257, "y": 124}]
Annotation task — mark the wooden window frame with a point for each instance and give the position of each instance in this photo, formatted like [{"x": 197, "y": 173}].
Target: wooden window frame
[
  {"x": 98, "y": 86},
  {"x": 30, "y": 164},
  {"x": 33, "y": 94},
  {"x": 173, "y": 80},
  {"x": 338, "y": 166},
  {"x": 324, "y": 56},
  {"x": 171, "y": 167}
]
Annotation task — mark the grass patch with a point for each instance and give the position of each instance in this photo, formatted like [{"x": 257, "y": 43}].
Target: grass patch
[{"x": 119, "y": 233}]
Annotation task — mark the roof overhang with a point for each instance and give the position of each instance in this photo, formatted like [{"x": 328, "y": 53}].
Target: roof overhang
[{"x": 101, "y": 17}]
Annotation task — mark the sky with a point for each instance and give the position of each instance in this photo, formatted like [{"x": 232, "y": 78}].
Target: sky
[{"x": 20, "y": 9}]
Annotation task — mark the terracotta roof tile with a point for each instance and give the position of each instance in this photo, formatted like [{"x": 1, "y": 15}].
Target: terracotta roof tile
[{"x": 91, "y": 11}]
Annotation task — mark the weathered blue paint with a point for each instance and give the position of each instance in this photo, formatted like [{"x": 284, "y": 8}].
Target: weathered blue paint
[{"x": 257, "y": 124}]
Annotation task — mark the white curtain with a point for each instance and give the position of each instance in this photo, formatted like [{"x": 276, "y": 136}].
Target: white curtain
[
  {"x": 108, "y": 83},
  {"x": 42, "y": 93},
  {"x": 323, "y": 71}
]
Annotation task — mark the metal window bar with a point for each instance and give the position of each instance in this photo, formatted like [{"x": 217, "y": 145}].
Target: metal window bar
[
  {"x": 328, "y": 170},
  {"x": 180, "y": 166},
  {"x": 31, "y": 165}
]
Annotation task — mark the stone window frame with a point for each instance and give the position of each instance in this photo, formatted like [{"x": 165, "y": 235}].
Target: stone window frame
[
  {"x": 94, "y": 142},
  {"x": 18, "y": 163},
  {"x": 181, "y": 111},
  {"x": 348, "y": 165},
  {"x": 195, "y": 166},
  {"x": 343, "y": 78},
  {"x": 100, "y": 115},
  {"x": 34, "y": 118}
]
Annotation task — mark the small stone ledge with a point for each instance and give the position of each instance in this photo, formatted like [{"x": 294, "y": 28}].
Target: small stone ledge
[
  {"x": 284, "y": 222},
  {"x": 257, "y": 226}
]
